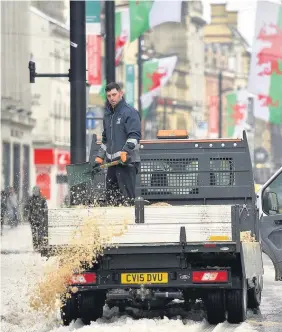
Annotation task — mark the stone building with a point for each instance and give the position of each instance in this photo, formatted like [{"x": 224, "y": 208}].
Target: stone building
[
  {"x": 49, "y": 48},
  {"x": 226, "y": 51},
  {"x": 17, "y": 120}
]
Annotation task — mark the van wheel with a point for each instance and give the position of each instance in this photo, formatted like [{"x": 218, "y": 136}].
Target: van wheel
[
  {"x": 215, "y": 306},
  {"x": 237, "y": 305},
  {"x": 69, "y": 310},
  {"x": 92, "y": 305},
  {"x": 254, "y": 295}
]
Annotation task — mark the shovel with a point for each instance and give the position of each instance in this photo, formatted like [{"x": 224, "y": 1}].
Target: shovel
[
  {"x": 84, "y": 172},
  {"x": 112, "y": 163}
]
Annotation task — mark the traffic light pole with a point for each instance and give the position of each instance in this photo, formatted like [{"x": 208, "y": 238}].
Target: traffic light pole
[
  {"x": 78, "y": 81},
  {"x": 140, "y": 70},
  {"x": 33, "y": 74},
  {"x": 110, "y": 41},
  {"x": 139, "y": 65}
]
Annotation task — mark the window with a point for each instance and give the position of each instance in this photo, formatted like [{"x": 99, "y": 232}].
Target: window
[
  {"x": 57, "y": 60},
  {"x": 231, "y": 63},
  {"x": 55, "y": 110},
  {"x": 181, "y": 122},
  {"x": 275, "y": 187},
  {"x": 208, "y": 60},
  {"x": 58, "y": 115},
  {"x": 16, "y": 167},
  {"x": 6, "y": 162},
  {"x": 26, "y": 168},
  {"x": 66, "y": 123},
  {"x": 239, "y": 63}
]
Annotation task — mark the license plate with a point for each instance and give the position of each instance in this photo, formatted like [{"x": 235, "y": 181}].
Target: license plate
[{"x": 144, "y": 278}]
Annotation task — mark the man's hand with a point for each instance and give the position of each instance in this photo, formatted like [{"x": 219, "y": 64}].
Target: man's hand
[
  {"x": 96, "y": 165},
  {"x": 123, "y": 156},
  {"x": 99, "y": 161}
]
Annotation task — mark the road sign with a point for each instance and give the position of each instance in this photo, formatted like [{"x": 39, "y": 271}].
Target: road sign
[{"x": 90, "y": 120}]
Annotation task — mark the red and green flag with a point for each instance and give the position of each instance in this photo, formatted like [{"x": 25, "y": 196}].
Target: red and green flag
[
  {"x": 236, "y": 113},
  {"x": 122, "y": 32},
  {"x": 145, "y": 15},
  {"x": 265, "y": 79},
  {"x": 156, "y": 74}
]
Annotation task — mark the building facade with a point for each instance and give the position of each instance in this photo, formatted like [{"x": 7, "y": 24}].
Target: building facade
[
  {"x": 196, "y": 57},
  {"x": 216, "y": 56},
  {"x": 57, "y": 12},
  {"x": 226, "y": 52},
  {"x": 50, "y": 105},
  {"x": 180, "y": 103},
  {"x": 17, "y": 120}
]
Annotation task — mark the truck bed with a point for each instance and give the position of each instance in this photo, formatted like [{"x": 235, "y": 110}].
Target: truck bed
[{"x": 162, "y": 224}]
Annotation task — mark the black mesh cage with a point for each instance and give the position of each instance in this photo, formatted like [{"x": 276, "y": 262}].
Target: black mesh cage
[
  {"x": 175, "y": 176},
  {"x": 222, "y": 172},
  {"x": 192, "y": 170}
]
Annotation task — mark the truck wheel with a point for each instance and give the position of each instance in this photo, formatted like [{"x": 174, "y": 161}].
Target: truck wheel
[
  {"x": 254, "y": 295},
  {"x": 69, "y": 310},
  {"x": 92, "y": 305},
  {"x": 237, "y": 305},
  {"x": 215, "y": 306}
]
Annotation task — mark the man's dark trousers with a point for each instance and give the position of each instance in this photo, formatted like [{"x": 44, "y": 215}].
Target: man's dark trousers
[{"x": 120, "y": 184}]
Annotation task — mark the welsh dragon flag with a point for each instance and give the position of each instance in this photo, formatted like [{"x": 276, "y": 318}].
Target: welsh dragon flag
[
  {"x": 265, "y": 80},
  {"x": 122, "y": 32},
  {"x": 156, "y": 73},
  {"x": 144, "y": 15},
  {"x": 237, "y": 112}
]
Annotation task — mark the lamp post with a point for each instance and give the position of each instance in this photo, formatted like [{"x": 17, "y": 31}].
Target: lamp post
[
  {"x": 139, "y": 64},
  {"x": 89, "y": 120},
  {"x": 221, "y": 91},
  {"x": 88, "y": 86},
  {"x": 110, "y": 41},
  {"x": 78, "y": 80}
]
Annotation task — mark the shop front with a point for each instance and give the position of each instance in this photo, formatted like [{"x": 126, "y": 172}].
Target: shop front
[{"x": 51, "y": 174}]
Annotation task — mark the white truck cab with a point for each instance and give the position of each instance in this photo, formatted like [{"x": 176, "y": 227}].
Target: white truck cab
[{"x": 269, "y": 204}]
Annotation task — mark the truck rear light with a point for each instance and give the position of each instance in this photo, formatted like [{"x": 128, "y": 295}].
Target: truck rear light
[
  {"x": 209, "y": 245},
  {"x": 209, "y": 276},
  {"x": 83, "y": 278}
]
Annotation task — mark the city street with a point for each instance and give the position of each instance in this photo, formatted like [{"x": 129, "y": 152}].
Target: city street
[
  {"x": 21, "y": 268},
  {"x": 143, "y": 126}
]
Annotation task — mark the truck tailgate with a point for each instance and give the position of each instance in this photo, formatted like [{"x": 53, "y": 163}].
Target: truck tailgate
[{"x": 162, "y": 224}]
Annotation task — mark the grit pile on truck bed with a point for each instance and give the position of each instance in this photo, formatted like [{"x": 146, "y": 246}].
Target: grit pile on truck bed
[{"x": 192, "y": 234}]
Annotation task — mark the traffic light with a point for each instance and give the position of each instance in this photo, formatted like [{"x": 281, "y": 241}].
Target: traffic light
[{"x": 32, "y": 73}]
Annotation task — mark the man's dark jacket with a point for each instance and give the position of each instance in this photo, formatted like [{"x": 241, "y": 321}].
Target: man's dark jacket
[{"x": 122, "y": 132}]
